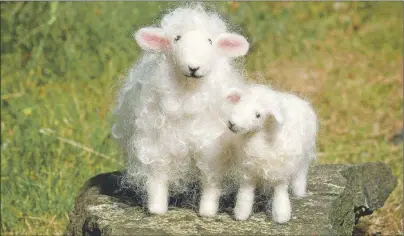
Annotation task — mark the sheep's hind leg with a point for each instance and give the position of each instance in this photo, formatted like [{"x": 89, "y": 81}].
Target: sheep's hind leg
[
  {"x": 157, "y": 192},
  {"x": 281, "y": 209},
  {"x": 245, "y": 200},
  {"x": 299, "y": 181}
]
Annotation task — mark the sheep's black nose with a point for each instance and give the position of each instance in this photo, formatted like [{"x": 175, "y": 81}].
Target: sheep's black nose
[{"x": 193, "y": 70}]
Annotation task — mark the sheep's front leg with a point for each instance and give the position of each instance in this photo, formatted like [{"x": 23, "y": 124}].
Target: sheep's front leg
[
  {"x": 211, "y": 171},
  {"x": 299, "y": 181},
  {"x": 157, "y": 193},
  {"x": 245, "y": 200},
  {"x": 281, "y": 209},
  {"x": 209, "y": 204}
]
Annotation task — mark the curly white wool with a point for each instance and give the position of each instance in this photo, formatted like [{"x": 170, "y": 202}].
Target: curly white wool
[
  {"x": 277, "y": 140},
  {"x": 171, "y": 126}
]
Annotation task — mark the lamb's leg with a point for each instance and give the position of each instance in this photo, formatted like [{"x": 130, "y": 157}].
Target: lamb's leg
[
  {"x": 209, "y": 204},
  {"x": 281, "y": 209},
  {"x": 245, "y": 200},
  {"x": 157, "y": 194},
  {"x": 299, "y": 181}
]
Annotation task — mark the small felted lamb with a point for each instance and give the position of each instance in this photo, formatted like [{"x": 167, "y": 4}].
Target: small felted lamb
[{"x": 276, "y": 140}]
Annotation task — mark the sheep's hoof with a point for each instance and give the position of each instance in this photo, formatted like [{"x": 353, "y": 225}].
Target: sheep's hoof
[
  {"x": 241, "y": 217},
  {"x": 158, "y": 209},
  {"x": 240, "y": 214},
  {"x": 208, "y": 207},
  {"x": 206, "y": 212}
]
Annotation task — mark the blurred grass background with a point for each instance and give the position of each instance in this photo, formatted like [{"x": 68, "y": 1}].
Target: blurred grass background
[{"x": 61, "y": 63}]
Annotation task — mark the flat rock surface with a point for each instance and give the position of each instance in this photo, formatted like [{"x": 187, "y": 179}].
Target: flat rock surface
[{"x": 337, "y": 196}]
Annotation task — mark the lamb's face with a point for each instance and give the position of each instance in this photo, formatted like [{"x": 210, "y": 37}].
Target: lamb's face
[
  {"x": 195, "y": 52},
  {"x": 251, "y": 112},
  {"x": 247, "y": 115}
]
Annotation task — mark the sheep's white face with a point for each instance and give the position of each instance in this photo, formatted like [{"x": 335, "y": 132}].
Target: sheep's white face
[
  {"x": 250, "y": 113},
  {"x": 194, "y": 52}
]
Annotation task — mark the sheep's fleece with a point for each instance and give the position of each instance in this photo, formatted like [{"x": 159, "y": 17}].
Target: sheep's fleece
[{"x": 171, "y": 110}]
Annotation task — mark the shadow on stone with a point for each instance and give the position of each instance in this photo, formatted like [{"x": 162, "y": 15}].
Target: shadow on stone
[{"x": 110, "y": 184}]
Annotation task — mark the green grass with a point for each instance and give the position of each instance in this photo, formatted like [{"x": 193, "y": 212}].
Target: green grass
[{"x": 61, "y": 63}]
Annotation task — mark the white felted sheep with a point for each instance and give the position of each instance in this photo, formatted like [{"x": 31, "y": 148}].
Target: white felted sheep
[
  {"x": 276, "y": 135},
  {"x": 170, "y": 111}
]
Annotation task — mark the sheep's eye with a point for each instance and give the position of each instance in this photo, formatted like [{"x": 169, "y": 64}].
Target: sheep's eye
[
  {"x": 258, "y": 115},
  {"x": 177, "y": 38},
  {"x": 210, "y": 41}
]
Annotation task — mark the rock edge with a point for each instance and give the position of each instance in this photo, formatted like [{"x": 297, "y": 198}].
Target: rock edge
[{"x": 338, "y": 195}]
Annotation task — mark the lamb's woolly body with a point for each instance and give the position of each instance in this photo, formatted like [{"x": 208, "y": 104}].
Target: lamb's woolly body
[
  {"x": 275, "y": 155},
  {"x": 164, "y": 122},
  {"x": 276, "y": 146}
]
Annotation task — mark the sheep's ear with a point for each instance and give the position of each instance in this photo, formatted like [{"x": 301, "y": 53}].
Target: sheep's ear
[
  {"x": 232, "y": 45},
  {"x": 233, "y": 95},
  {"x": 152, "y": 39}
]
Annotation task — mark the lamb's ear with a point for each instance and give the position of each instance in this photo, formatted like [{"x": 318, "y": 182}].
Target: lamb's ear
[
  {"x": 152, "y": 39},
  {"x": 233, "y": 95},
  {"x": 277, "y": 114},
  {"x": 232, "y": 45}
]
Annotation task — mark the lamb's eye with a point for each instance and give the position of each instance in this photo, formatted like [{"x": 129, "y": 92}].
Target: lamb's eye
[
  {"x": 210, "y": 41},
  {"x": 258, "y": 115},
  {"x": 177, "y": 38}
]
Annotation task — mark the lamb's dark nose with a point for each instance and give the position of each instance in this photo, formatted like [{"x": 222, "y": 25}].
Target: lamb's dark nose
[
  {"x": 230, "y": 125},
  {"x": 193, "y": 69}
]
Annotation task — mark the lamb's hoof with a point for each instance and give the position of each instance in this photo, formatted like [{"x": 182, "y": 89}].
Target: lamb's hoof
[
  {"x": 300, "y": 193},
  {"x": 281, "y": 217},
  {"x": 158, "y": 209}
]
